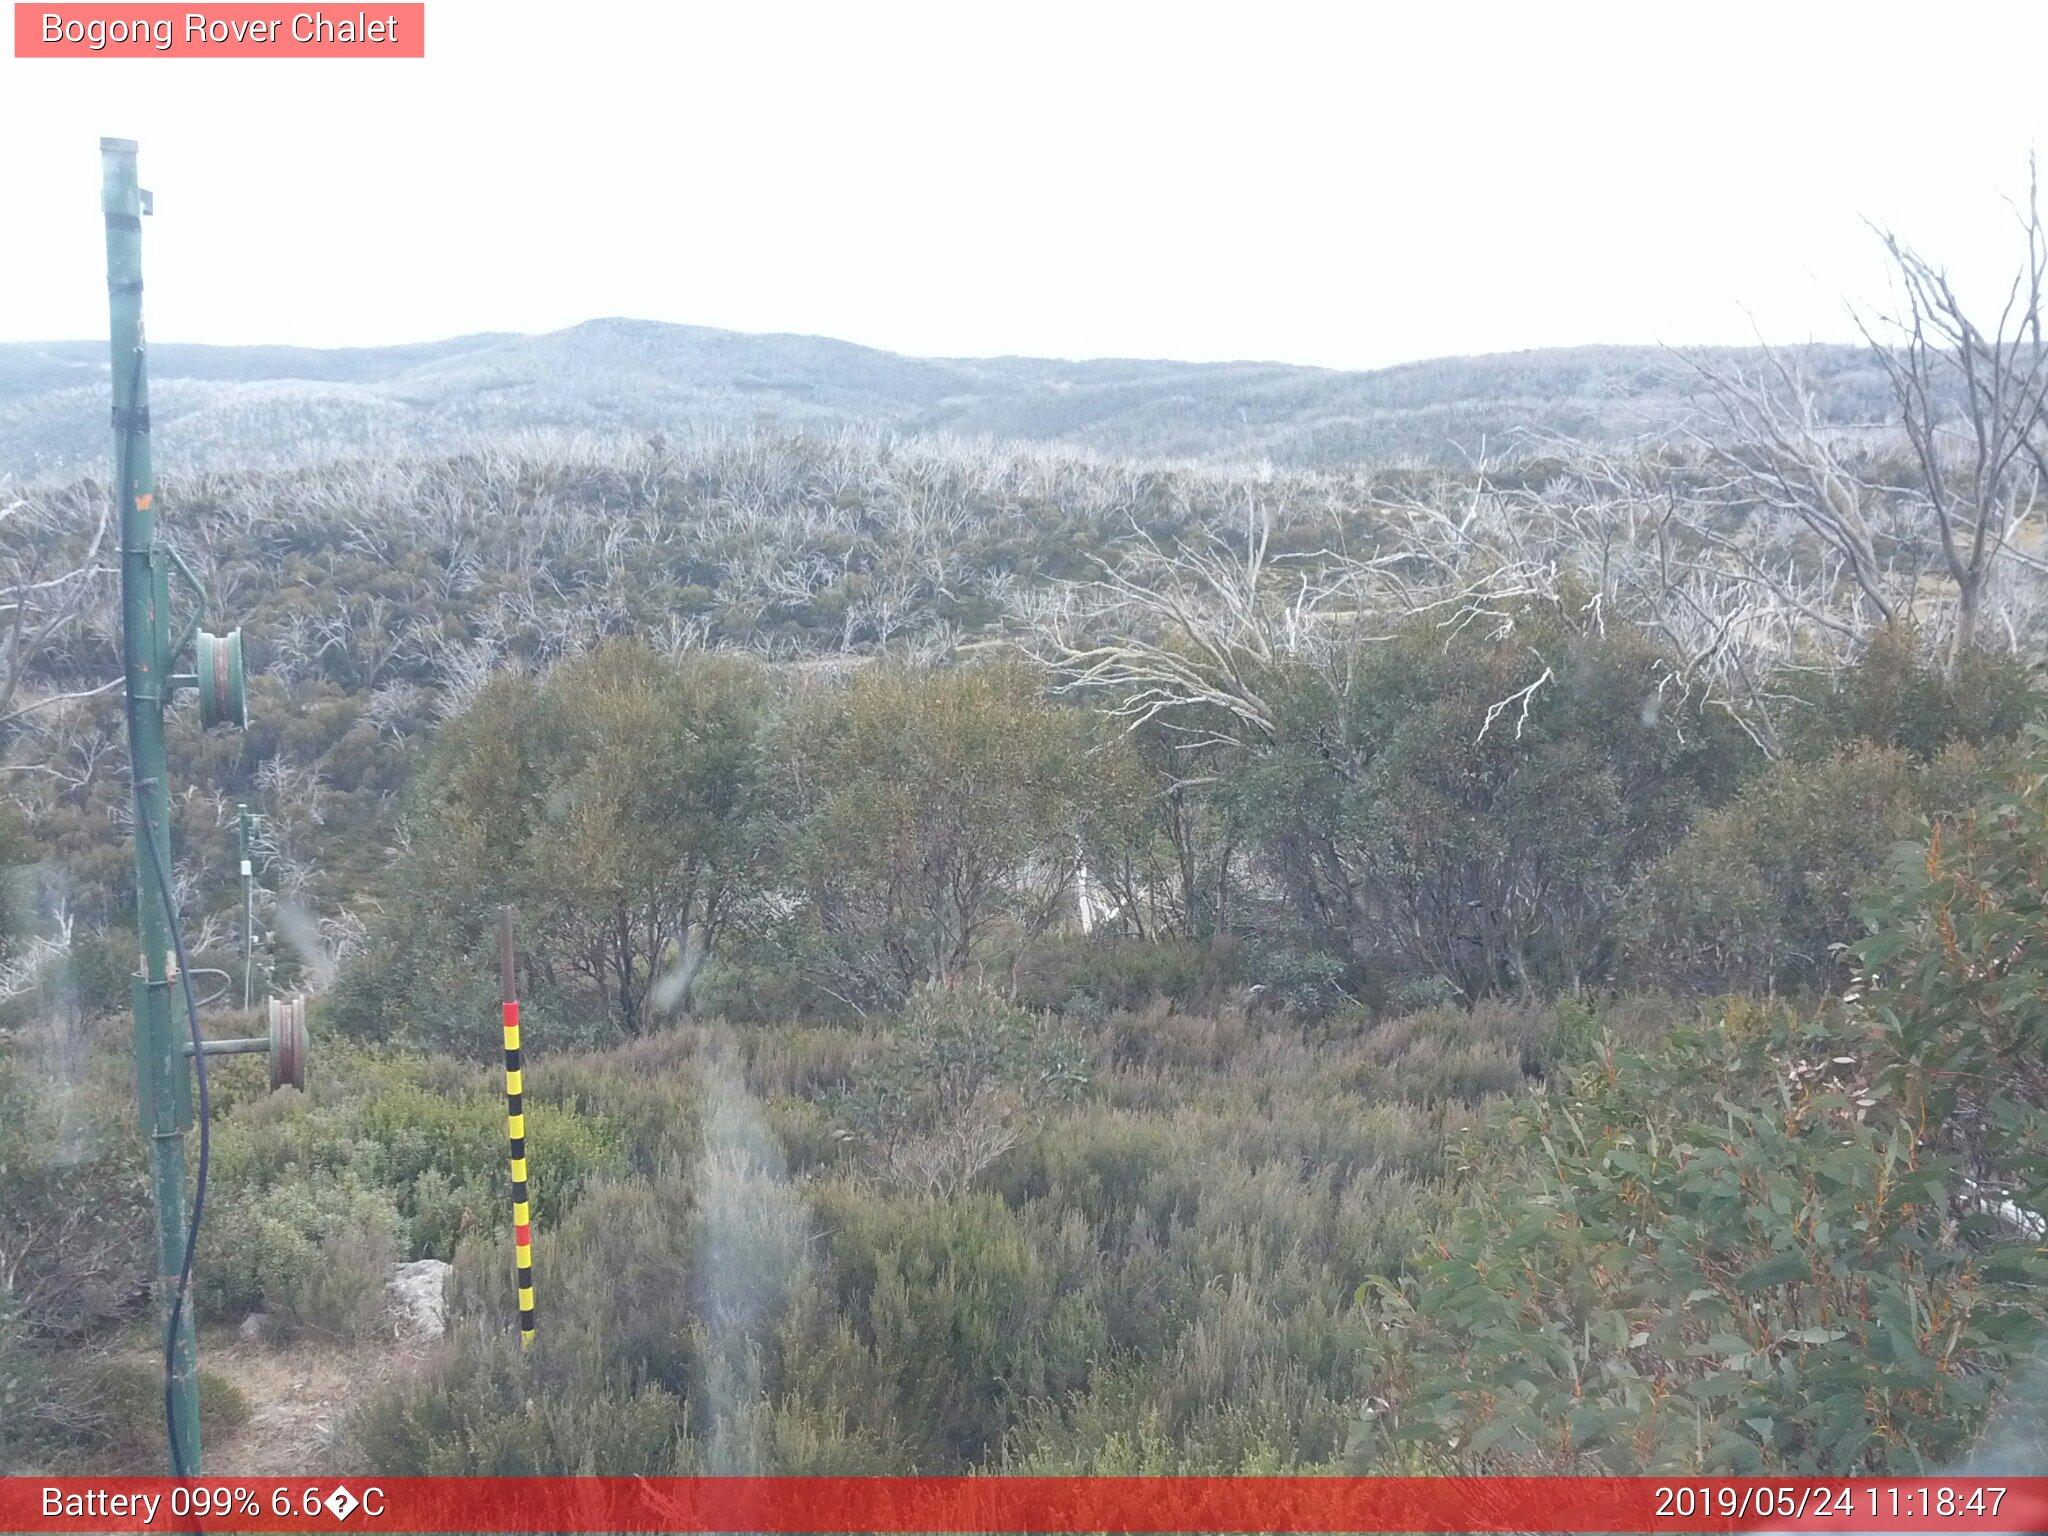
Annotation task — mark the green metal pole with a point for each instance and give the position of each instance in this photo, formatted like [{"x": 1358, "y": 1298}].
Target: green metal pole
[
  {"x": 248, "y": 905},
  {"x": 163, "y": 1078}
]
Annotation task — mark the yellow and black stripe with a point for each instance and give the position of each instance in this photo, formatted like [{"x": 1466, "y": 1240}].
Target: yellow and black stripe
[
  {"x": 522, "y": 1214},
  {"x": 515, "y": 1125}
]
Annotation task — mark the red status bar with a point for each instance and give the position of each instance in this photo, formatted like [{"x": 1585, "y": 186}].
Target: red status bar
[{"x": 1038, "y": 1504}]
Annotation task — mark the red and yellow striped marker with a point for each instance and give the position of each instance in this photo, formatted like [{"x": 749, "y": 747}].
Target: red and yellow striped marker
[{"x": 515, "y": 1125}]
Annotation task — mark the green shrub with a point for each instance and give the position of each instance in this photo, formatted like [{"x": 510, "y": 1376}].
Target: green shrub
[
  {"x": 805, "y": 1132},
  {"x": 964, "y": 1078},
  {"x": 1723, "y": 1255},
  {"x": 417, "y": 1132},
  {"x": 75, "y": 1220},
  {"x": 931, "y": 819},
  {"x": 345, "y": 1295},
  {"x": 1761, "y": 894},
  {"x": 811, "y": 1062},
  {"x": 1955, "y": 979},
  {"x": 615, "y": 801},
  {"x": 636, "y": 1103},
  {"x": 420, "y": 983},
  {"x": 1901, "y": 695},
  {"x": 1306, "y": 982},
  {"x": 1094, "y": 975},
  {"x": 1467, "y": 1054},
  {"x": 427, "y": 1132},
  {"x": 98, "y": 1412},
  {"x": 441, "y": 1209},
  {"x": 954, "y": 1298},
  {"x": 1418, "y": 821},
  {"x": 315, "y": 1254},
  {"x": 494, "y": 1411},
  {"x": 1162, "y": 1037},
  {"x": 101, "y": 969}
]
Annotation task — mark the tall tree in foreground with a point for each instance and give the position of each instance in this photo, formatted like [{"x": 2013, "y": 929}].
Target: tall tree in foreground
[
  {"x": 648, "y": 829},
  {"x": 615, "y": 803}
]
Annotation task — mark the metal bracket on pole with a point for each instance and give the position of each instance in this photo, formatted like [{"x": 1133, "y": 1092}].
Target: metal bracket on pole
[
  {"x": 285, "y": 1044},
  {"x": 198, "y": 590}
]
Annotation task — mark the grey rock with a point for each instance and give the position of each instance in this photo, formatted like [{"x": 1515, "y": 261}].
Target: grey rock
[{"x": 419, "y": 1295}]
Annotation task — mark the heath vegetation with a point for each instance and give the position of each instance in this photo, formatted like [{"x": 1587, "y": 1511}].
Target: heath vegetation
[{"x": 1044, "y": 961}]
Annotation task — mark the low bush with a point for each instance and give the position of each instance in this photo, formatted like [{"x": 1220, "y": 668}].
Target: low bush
[
  {"x": 1902, "y": 694},
  {"x": 1188, "y": 1237},
  {"x": 314, "y": 1254},
  {"x": 1731, "y": 1253},
  {"x": 426, "y": 1133},
  {"x": 75, "y": 1222},
  {"x": 963, "y": 1078},
  {"x": 492, "y": 1410},
  {"x": 1761, "y": 894},
  {"x": 96, "y": 1412},
  {"x": 1092, "y": 976},
  {"x": 1954, "y": 979},
  {"x": 1466, "y": 1054}
]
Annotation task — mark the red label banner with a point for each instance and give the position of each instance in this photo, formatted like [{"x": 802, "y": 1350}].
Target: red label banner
[
  {"x": 1039, "y": 1504},
  {"x": 228, "y": 31}
]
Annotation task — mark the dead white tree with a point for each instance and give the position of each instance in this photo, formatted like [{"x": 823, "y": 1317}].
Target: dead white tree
[
  {"x": 1780, "y": 463},
  {"x": 1639, "y": 536},
  {"x": 1194, "y": 632},
  {"x": 1971, "y": 402},
  {"x": 1974, "y": 405},
  {"x": 46, "y": 580},
  {"x": 1179, "y": 629}
]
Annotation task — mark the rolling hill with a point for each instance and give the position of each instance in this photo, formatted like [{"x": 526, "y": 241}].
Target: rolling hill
[{"x": 216, "y": 407}]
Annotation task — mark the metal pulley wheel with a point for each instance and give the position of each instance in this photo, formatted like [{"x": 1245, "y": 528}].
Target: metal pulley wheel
[
  {"x": 287, "y": 1042},
  {"x": 222, "y": 697}
]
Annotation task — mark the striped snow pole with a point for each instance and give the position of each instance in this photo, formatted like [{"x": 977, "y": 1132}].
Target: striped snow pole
[{"x": 515, "y": 1125}]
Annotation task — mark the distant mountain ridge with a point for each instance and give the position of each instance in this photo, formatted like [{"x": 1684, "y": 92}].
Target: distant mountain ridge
[{"x": 221, "y": 407}]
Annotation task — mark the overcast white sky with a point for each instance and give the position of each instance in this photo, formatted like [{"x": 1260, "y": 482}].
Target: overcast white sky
[{"x": 1349, "y": 185}]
